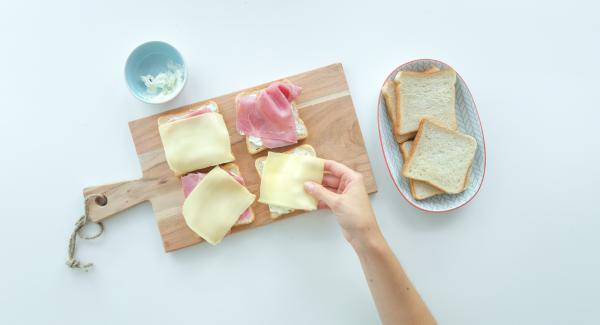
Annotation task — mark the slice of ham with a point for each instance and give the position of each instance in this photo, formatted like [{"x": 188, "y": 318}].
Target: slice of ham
[
  {"x": 190, "y": 181},
  {"x": 268, "y": 115},
  {"x": 192, "y": 113},
  {"x": 197, "y": 112},
  {"x": 271, "y": 143}
]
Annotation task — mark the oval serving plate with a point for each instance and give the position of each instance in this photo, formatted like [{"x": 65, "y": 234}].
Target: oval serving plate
[{"x": 468, "y": 122}]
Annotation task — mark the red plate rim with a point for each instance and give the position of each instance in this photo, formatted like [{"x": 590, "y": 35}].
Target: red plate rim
[{"x": 387, "y": 165}]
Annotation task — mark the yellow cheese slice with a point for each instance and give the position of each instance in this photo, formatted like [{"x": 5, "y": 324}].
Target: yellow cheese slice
[
  {"x": 215, "y": 205},
  {"x": 283, "y": 178},
  {"x": 195, "y": 143}
]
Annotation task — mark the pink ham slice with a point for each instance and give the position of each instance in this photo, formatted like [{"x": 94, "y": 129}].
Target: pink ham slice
[
  {"x": 189, "y": 182},
  {"x": 189, "y": 114},
  {"x": 269, "y": 114},
  {"x": 197, "y": 112}
]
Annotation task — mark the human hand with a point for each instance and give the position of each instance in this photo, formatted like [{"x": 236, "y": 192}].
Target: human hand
[{"x": 343, "y": 191}]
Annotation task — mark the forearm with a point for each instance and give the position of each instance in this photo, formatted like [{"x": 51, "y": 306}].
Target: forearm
[{"x": 396, "y": 299}]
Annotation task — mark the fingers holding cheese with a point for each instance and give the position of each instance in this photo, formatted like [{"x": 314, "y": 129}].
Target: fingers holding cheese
[
  {"x": 283, "y": 178},
  {"x": 331, "y": 181},
  {"x": 337, "y": 169}
]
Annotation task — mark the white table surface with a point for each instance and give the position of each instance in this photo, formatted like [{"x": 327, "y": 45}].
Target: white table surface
[{"x": 526, "y": 250}]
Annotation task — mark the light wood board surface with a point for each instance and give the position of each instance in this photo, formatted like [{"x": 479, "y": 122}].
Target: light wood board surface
[{"x": 326, "y": 107}]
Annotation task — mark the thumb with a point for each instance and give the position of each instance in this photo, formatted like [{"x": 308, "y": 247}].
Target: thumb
[{"x": 320, "y": 192}]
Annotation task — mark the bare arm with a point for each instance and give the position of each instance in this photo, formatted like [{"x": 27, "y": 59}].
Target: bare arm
[{"x": 343, "y": 191}]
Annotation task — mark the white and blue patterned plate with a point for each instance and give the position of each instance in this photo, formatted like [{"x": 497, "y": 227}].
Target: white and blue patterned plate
[{"x": 468, "y": 122}]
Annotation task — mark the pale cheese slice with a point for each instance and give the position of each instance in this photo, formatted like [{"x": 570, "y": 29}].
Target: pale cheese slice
[
  {"x": 283, "y": 178},
  {"x": 196, "y": 142},
  {"x": 215, "y": 205}
]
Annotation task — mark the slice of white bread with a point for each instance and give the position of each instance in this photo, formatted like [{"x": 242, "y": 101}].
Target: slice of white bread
[
  {"x": 259, "y": 163},
  {"x": 255, "y": 146},
  {"x": 419, "y": 189},
  {"x": 235, "y": 169},
  {"x": 389, "y": 95},
  {"x": 441, "y": 157},
  {"x": 424, "y": 95}
]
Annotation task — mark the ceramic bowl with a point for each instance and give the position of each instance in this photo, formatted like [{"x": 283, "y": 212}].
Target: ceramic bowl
[{"x": 151, "y": 59}]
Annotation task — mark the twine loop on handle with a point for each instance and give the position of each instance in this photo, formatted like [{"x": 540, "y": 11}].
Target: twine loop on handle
[{"x": 72, "y": 262}]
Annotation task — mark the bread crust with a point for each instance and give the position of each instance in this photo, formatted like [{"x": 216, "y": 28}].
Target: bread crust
[
  {"x": 405, "y": 137},
  {"x": 411, "y": 183},
  {"x": 398, "y": 119},
  {"x": 390, "y": 106}
]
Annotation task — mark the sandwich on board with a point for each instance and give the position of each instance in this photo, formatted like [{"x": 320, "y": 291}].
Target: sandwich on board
[
  {"x": 268, "y": 117},
  {"x": 215, "y": 204},
  {"x": 283, "y": 176},
  {"x": 191, "y": 180},
  {"x": 195, "y": 139}
]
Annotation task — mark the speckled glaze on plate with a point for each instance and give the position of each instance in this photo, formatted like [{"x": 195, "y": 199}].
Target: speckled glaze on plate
[{"x": 468, "y": 122}]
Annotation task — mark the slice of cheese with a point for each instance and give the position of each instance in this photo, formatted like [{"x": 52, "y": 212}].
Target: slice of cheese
[
  {"x": 283, "y": 178},
  {"x": 196, "y": 142},
  {"x": 215, "y": 205}
]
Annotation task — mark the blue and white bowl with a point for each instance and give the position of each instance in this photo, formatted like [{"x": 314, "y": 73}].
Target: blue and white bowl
[{"x": 155, "y": 72}]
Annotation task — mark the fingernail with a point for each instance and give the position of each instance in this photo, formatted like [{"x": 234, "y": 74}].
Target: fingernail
[{"x": 309, "y": 186}]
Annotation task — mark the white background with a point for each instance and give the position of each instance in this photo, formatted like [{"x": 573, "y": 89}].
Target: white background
[{"x": 526, "y": 250}]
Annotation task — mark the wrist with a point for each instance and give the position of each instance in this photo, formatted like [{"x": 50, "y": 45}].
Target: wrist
[{"x": 366, "y": 238}]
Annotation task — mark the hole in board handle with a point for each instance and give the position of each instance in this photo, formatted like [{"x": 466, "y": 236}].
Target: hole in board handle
[{"x": 101, "y": 200}]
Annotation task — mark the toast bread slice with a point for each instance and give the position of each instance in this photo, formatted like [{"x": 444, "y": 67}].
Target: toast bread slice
[
  {"x": 424, "y": 95},
  {"x": 441, "y": 157},
  {"x": 389, "y": 95},
  {"x": 304, "y": 149},
  {"x": 420, "y": 190}
]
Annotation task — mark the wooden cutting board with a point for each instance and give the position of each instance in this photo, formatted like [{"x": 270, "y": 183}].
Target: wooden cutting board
[{"x": 326, "y": 107}]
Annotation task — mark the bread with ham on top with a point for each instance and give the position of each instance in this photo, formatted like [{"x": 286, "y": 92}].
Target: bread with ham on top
[{"x": 269, "y": 118}]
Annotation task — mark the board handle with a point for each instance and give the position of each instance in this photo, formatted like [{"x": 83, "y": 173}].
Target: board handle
[{"x": 106, "y": 200}]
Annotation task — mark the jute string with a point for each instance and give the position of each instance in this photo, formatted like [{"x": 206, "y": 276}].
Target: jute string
[{"x": 72, "y": 262}]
